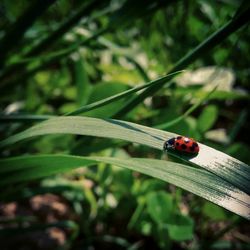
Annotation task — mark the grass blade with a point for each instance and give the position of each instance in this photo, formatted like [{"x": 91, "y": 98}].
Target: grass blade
[
  {"x": 224, "y": 166},
  {"x": 216, "y": 38},
  {"x": 121, "y": 95},
  {"x": 197, "y": 181},
  {"x": 117, "y": 17}
]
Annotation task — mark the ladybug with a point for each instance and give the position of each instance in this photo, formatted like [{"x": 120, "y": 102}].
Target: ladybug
[{"x": 182, "y": 144}]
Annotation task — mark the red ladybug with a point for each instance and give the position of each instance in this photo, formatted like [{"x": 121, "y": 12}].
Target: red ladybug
[{"x": 183, "y": 144}]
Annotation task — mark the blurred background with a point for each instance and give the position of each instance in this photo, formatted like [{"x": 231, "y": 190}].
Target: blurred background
[{"x": 57, "y": 56}]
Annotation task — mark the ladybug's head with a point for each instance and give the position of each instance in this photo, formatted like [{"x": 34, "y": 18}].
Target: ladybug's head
[{"x": 169, "y": 144}]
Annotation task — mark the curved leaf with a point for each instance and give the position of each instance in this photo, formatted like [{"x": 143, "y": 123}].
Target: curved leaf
[
  {"x": 197, "y": 181},
  {"x": 123, "y": 94},
  {"x": 225, "y": 166}
]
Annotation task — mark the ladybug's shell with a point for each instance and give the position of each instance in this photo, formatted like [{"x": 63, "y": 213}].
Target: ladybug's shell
[{"x": 185, "y": 144}]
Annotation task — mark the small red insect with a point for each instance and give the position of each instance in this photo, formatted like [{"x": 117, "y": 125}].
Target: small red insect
[{"x": 183, "y": 144}]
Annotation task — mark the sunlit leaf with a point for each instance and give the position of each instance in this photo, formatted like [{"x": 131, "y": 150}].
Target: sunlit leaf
[
  {"x": 197, "y": 181},
  {"x": 225, "y": 166}
]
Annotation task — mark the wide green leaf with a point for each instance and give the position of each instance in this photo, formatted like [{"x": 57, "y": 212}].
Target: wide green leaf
[
  {"x": 101, "y": 92},
  {"x": 225, "y": 166},
  {"x": 207, "y": 118},
  {"x": 180, "y": 228},
  {"x": 197, "y": 181},
  {"x": 159, "y": 206}
]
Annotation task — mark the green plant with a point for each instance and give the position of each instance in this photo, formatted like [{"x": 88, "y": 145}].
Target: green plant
[{"x": 90, "y": 66}]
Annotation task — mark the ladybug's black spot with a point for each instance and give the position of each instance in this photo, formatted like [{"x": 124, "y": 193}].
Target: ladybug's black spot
[
  {"x": 178, "y": 137},
  {"x": 177, "y": 143},
  {"x": 194, "y": 144},
  {"x": 183, "y": 146},
  {"x": 192, "y": 148}
]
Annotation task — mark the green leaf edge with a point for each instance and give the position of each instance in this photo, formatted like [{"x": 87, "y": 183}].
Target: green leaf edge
[
  {"x": 197, "y": 181},
  {"x": 223, "y": 165}
]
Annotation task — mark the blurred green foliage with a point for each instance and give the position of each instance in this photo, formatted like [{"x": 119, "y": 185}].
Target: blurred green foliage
[{"x": 108, "y": 49}]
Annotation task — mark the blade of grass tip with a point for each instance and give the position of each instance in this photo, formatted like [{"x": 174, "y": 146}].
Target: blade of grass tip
[
  {"x": 113, "y": 98},
  {"x": 213, "y": 40},
  {"x": 131, "y": 104},
  {"x": 225, "y": 166},
  {"x": 187, "y": 113},
  {"x": 197, "y": 181},
  {"x": 22, "y": 24}
]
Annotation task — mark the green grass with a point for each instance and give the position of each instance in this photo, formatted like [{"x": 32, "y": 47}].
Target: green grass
[
  {"x": 197, "y": 181},
  {"x": 55, "y": 70},
  {"x": 231, "y": 170}
]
